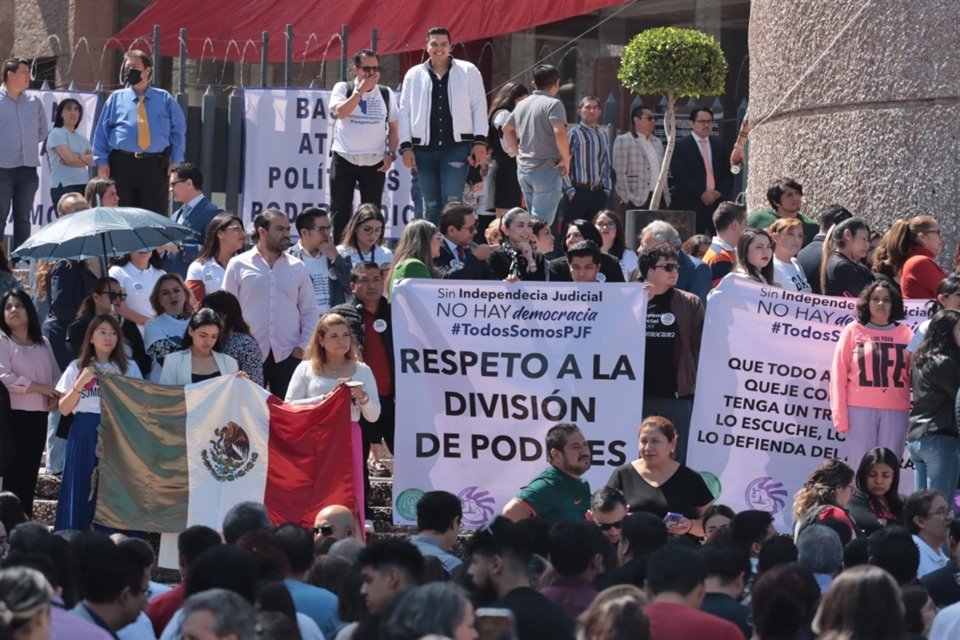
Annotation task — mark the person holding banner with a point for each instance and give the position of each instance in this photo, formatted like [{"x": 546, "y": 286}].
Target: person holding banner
[
  {"x": 673, "y": 333},
  {"x": 333, "y": 359},
  {"x": 515, "y": 258},
  {"x": 80, "y": 396},
  {"x": 933, "y": 440},
  {"x": 658, "y": 483},
  {"x": 363, "y": 238},
  {"x": 199, "y": 362},
  {"x": 68, "y": 151},
  {"x": 235, "y": 338},
  {"x": 870, "y": 374},
  {"x": 842, "y": 272},
  {"x": 788, "y": 238},
  {"x": 419, "y": 246}
]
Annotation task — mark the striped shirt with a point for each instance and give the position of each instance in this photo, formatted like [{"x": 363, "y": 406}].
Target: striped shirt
[{"x": 589, "y": 159}]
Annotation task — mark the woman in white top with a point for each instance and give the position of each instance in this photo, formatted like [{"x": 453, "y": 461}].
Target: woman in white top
[
  {"x": 199, "y": 362},
  {"x": 164, "y": 334},
  {"x": 614, "y": 242},
  {"x": 138, "y": 273},
  {"x": 787, "y": 235},
  {"x": 68, "y": 151},
  {"x": 224, "y": 240},
  {"x": 363, "y": 238},
  {"x": 333, "y": 359},
  {"x": 102, "y": 352}
]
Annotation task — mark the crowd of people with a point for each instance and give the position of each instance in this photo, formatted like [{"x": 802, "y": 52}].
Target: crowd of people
[{"x": 650, "y": 554}]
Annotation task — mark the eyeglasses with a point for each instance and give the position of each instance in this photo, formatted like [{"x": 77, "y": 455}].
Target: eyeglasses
[
  {"x": 943, "y": 513},
  {"x": 177, "y": 182},
  {"x": 325, "y": 229},
  {"x": 369, "y": 230},
  {"x": 607, "y": 225},
  {"x": 115, "y": 295},
  {"x": 234, "y": 227},
  {"x": 323, "y": 530},
  {"x": 370, "y": 69},
  {"x": 670, "y": 267},
  {"x": 472, "y": 227},
  {"x": 606, "y": 526}
]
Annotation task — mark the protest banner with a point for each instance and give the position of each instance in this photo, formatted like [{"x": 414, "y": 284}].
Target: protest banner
[
  {"x": 761, "y": 417},
  {"x": 287, "y": 135},
  {"x": 484, "y": 369},
  {"x": 44, "y": 211}
]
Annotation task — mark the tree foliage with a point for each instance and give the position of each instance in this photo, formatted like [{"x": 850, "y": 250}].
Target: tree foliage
[{"x": 669, "y": 60}]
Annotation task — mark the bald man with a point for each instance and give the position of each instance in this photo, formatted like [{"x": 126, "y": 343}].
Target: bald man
[
  {"x": 71, "y": 203},
  {"x": 337, "y": 522}
]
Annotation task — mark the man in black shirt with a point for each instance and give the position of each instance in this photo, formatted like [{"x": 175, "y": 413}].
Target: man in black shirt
[
  {"x": 943, "y": 585},
  {"x": 674, "y": 329},
  {"x": 500, "y": 554},
  {"x": 727, "y": 568}
]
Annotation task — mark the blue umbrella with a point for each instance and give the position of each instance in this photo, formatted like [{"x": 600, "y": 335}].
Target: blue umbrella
[{"x": 103, "y": 232}]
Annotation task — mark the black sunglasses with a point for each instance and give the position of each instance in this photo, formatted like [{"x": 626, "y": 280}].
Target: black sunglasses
[
  {"x": 606, "y": 526},
  {"x": 670, "y": 267},
  {"x": 116, "y": 296},
  {"x": 325, "y": 530}
]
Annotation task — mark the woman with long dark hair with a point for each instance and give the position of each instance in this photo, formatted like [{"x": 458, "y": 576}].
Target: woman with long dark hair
[
  {"x": 68, "y": 151},
  {"x": 198, "y": 361},
  {"x": 504, "y": 191},
  {"x": 102, "y": 192},
  {"x": 614, "y": 239},
  {"x": 363, "y": 237},
  {"x": 80, "y": 396},
  {"x": 108, "y": 297},
  {"x": 224, "y": 240},
  {"x": 755, "y": 256},
  {"x": 842, "y": 272},
  {"x": 911, "y": 248},
  {"x": 876, "y": 502},
  {"x": 578, "y": 231},
  {"x": 419, "y": 246},
  {"x": 29, "y": 371},
  {"x": 235, "y": 338},
  {"x": 933, "y": 439},
  {"x": 862, "y": 602},
  {"x": 870, "y": 374},
  {"x": 515, "y": 258}
]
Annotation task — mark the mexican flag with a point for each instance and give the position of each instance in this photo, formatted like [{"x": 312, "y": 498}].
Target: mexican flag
[{"x": 174, "y": 457}]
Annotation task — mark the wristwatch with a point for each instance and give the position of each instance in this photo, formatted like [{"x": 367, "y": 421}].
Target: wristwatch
[{"x": 393, "y": 156}]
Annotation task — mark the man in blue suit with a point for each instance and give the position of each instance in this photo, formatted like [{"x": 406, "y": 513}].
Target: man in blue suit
[{"x": 186, "y": 185}]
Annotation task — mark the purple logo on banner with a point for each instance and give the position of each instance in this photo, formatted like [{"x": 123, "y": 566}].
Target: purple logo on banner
[
  {"x": 766, "y": 494},
  {"x": 477, "y": 505}
]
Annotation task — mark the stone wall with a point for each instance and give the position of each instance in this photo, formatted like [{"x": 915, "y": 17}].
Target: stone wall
[{"x": 873, "y": 118}]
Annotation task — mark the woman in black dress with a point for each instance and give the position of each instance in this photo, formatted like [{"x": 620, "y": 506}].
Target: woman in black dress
[
  {"x": 504, "y": 189},
  {"x": 658, "y": 484}
]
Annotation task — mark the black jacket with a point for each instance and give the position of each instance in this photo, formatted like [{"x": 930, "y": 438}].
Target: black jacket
[
  {"x": 609, "y": 267},
  {"x": 935, "y": 386},
  {"x": 469, "y": 269},
  {"x": 844, "y": 277},
  {"x": 352, "y": 310}
]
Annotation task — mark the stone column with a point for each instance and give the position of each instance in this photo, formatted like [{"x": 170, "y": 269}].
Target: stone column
[{"x": 868, "y": 118}]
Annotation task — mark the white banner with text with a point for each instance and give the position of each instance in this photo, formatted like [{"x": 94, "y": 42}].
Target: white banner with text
[
  {"x": 761, "y": 417},
  {"x": 484, "y": 369},
  {"x": 287, "y": 135}
]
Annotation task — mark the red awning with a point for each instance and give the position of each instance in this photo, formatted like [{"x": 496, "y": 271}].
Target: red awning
[{"x": 232, "y": 30}]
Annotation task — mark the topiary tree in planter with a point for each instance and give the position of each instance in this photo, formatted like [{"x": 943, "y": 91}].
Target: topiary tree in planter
[{"x": 678, "y": 63}]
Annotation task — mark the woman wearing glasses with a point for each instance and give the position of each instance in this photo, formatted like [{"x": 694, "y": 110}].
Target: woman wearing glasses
[
  {"x": 614, "y": 242},
  {"x": 927, "y": 516},
  {"x": 223, "y": 241},
  {"x": 108, "y": 298},
  {"x": 363, "y": 238}
]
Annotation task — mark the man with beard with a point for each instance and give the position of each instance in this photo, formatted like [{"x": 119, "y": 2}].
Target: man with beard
[
  {"x": 277, "y": 298},
  {"x": 559, "y": 493},
  {"x": 499, "y": 555}
]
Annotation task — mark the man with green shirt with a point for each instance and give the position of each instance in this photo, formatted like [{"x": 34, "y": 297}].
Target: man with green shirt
[
  {"x": 786, "y": 198},
  {"x": 559, "y": 493}
]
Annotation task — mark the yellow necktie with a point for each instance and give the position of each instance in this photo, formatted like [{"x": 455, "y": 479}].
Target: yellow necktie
[{"x": 143, "y": 125}]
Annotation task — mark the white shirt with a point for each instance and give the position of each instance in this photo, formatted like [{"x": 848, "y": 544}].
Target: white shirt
[
  {"x": 930, "y": 559},
  {"x": 308, "y": 628},
  {"x": 379, "y": 255},
  {"x": 319, "y": 272},
  {"x": 946, "y": 626},
  {"x": 363, "y": 132},
  {"x": 629, "y": 264},
  {"x": 306, "y": 387},
  {"x": 918, "y": 336},
  {"x": 138, "y": 286},
  {"x": 210, "y": 273},
  {"x": 90, "y": 396},
  {"x": 790, "y": 276}
]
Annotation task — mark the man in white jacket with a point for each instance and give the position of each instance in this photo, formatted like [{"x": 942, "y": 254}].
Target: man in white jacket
[{"x": 443, "y": 123}]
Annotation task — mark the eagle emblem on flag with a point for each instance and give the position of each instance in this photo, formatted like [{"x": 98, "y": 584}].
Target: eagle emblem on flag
[{"x": 229, "y": 457}]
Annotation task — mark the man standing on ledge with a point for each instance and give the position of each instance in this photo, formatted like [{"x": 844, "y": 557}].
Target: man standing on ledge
[
  {"x": 24, "y": 127},
  {"x": 443, "y": 123},
  {"x": 140, "y": 137},
  {"x": 588, "y": 184},
  {"x": 559, "y": 493}
]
